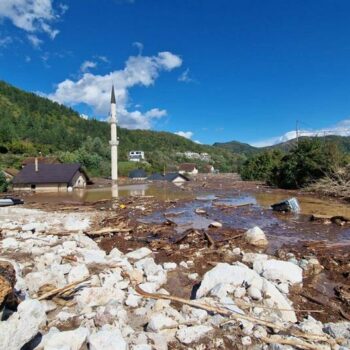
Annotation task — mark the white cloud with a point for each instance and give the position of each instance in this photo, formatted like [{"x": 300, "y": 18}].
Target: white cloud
[
  {"x": 86, "y": 65},
  {"x": 32, "y": 16},
  {"x": 342, "y": 129},
  {"x": 34, "y": 40},
  {"x": 28, "y": 59},
  {"x": 139, "y": 46},
  {"x": 94, "y": 90},
  {"x": 84, "y": 116},
  {"x": 5, "y": 41},
  {"x": 185, "y": 134},
  {"x": 185, "y": 76}
]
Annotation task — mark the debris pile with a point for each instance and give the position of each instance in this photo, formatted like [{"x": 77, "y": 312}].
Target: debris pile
[{"x": 70, "y": 294}]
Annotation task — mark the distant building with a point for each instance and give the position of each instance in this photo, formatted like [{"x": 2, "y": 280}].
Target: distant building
[
  {"x": 188, "y": 168},
  {"x": 136, "y": 156},
  {"x": 205, "y": 157},
  {"x": 138, "y": 174},
  {"x": 208, "y": 168},
  {"x": 50, "y": 177},
  {"x": 176, "y": 178},
  {"x": 10, "y": 173}
]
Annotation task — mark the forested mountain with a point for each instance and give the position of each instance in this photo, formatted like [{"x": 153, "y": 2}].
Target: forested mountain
[
  {"x": 30, "y": 124},
  {"x": 343, "y": 142}
]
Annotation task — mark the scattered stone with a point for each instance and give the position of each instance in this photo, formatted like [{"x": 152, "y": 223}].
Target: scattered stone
[
  {"x": 254, "y": 293},
  {"x": 246, "y": 341},
  {"x": 159, "y": 322},
  {"x": 22, "y": 326},
  {"x": 169, "y": 266},
  {"x": 277, "y": 270},
  {"x": 215, "y": 224},
  {"x": 139, "y": 253},
  {"x": 72, "y": 340},
  {"x": 77, "y": 273},
  {"x": 108, "y": 338},
  {"x": 338, "y": 330},
  {"x": 256, "y": 236},
  {"x": 193, "y": 276},
  {"x": 188, "y": 335}
]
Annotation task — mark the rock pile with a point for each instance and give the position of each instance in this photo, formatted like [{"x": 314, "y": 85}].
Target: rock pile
[{"x": 74, "y": 296}]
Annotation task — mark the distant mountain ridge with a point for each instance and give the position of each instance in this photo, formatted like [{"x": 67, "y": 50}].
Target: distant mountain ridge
[{"x": 343, "y": 143}]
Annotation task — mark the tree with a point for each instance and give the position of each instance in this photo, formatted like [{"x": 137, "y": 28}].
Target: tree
[
  {"x": 3, "y": 182},
  {"x": 311, "y": 160}
]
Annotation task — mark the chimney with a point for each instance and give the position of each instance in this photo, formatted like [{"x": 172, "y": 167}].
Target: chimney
[{"x": 36, "y": 164}]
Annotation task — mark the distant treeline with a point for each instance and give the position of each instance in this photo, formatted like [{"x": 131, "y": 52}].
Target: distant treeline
[{"x": 305, "y": 163}]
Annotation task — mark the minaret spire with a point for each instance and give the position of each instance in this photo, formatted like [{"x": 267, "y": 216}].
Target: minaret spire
[{"x": 114, "y": 139}]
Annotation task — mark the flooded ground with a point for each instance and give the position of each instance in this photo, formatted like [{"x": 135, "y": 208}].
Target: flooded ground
[{"x": 162, "y": 191}]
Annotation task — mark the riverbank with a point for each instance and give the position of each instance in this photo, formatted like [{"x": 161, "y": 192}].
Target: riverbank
[{"x": 127, "y": 262}]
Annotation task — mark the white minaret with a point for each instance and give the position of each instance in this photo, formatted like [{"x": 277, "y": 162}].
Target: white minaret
[{"x": 114, "y": 139}]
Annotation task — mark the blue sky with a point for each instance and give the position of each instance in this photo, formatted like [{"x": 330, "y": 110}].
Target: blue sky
[{"x": 214, "y": 70}]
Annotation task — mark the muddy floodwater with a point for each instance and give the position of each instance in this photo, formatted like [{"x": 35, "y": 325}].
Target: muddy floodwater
[{"x": 223, "y": 205}]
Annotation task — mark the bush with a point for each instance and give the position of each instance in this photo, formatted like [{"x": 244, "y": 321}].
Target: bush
[
  {"x": 311, "y": 160},
  {"x": 3, "y": 182},
  {"x": 260, "y": 166}
]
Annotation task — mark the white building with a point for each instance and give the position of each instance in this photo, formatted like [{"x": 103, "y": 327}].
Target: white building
[{"x": 136, "y": 156}]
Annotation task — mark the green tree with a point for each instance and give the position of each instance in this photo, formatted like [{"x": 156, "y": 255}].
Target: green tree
[{"x": 3, "y": 182}]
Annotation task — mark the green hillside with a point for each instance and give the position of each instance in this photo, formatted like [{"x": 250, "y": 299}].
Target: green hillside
[
  {"x": 343, "y": 142},
  {"x": 31, "y": 124},
  {"x": 237, "y": 147}
]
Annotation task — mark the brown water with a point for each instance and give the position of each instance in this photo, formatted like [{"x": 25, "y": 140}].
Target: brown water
[
  {"x": 162, "y": 192},
  {"x": 280, "y": 228}
]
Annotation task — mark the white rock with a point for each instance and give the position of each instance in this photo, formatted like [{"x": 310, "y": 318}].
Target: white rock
[
  {"x": 70, "y": 340},
  {"x": 277, "y": 270},
  {"x": 221, "y": 290},
  {"x": 36, "y": 226},
  {"x": 246, "y": 341},
  {"x": 310, "y": 325},
  {"x": 254, "y": 293},
  {"x": 231, "y": 274},
  {"x": 22, "y": 326},
  {"x": 107, "y": 339},
  {"x": 283, "y": 287},
  {"x": 139, "y": 253},
  {"x": 115, "y": 253},
  {"x": 252, "y": 257},
  {"x": 215, "y": 224},
  {"x": 69, "y": 245},
  {"x": 159, "y": 322},
  {"x": 237, "y": 275},
  {"x": 184, "y": 264},
  {"x": 259, "y": 332},
  {"x": 75, "y": 223},
  {"x": 188, "y": 335},
  {"x": 247, "y": 327},
  {"x": 256, "y": 236},
  {"x": 94, "y": 256},
  {"x": 142, "y": 347},
  {"x": 169, "y": 266},
  {"x": 77, "y": 273},
  {"x": 35, "y": 280},
  {"x": 236, "y": 251},
  {"x": 149, "y": 287},
  {"x": 229, "y": 304},
  {"x": 133, "y": 300},
  {"x": 338, "y": 330},
  {"x": 85, "y": 242},
  {"x": 99, "y": 296},
  {"x": 193, "y": 276},
  {"x": 9, "y": 243},
  {"x": 239, "y": 292}
]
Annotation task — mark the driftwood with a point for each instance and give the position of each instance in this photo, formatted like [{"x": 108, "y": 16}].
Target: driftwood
[
  {"x": 60, "y": 291},
  {"x": 209, "y": 238},
  {"x": 301, "y": 344},
  {"x": 237, "y": 316},
  {"x": 336, "y": 219},
  {"x": 106, "y": 231}
]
